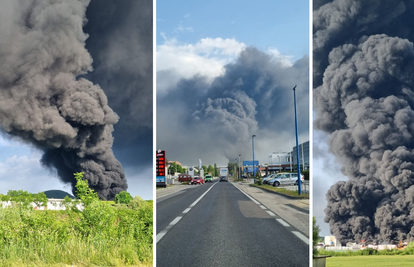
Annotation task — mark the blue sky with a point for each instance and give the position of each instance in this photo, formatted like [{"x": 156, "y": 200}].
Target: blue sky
[{"x": 263, "y": 24}]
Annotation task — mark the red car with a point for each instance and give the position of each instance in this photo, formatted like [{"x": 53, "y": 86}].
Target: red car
[{"x": 197, "y": 180}]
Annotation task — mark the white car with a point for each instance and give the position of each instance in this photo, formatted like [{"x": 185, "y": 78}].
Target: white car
[{"x": 286, "y": 179}]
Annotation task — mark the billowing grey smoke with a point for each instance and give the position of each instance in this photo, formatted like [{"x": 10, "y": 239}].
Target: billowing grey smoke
[
  {"x": 42, "y": 101},
  {"x": 363, "y": 97},
  {"x": 198, "y": 119}
]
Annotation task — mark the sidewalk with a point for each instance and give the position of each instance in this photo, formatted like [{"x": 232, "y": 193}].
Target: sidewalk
[{"x": 293, "y": 211}]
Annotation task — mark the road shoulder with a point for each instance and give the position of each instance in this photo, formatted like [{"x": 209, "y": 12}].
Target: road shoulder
[{"x": 294, "y": 211}]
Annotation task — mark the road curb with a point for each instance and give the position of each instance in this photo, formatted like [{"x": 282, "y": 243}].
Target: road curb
[{"x": 278, "y": 193}]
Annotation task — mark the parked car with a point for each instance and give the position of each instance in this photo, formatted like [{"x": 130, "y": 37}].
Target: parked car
[
  {"x": 223, "y": 179},
  {"x": 197, "y": 180},
  {"x": 286, "y": 179},
  {"x": 208, "y": 178},
  {"x": 268, "y": 178},
  {"x": 185, "y": 178}
]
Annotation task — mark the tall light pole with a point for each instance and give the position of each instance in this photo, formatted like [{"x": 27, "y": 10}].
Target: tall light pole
[
  {"x": 235, "y": 163},
  {"x": 297, "y": 143},
  {"x": 254, "y": 173},
  {"x": 239, "y": 167}
]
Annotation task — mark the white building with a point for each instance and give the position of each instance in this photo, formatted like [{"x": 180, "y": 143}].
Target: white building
[
  {"x": 52, "y": 204},
  {"x": 330, "y": 241},
  {"x": 279, "y": 158}
]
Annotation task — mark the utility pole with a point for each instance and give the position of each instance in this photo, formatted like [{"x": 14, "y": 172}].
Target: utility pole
[
  {"x": 297, "y": 143},
  {"x": 254, "y": 172},
  {"x": 239, "y": 167}
]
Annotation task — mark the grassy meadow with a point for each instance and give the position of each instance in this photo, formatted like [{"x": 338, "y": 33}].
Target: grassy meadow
[
  {"x": 371, "y": 261},
  {"x": 101, "y": 234}
]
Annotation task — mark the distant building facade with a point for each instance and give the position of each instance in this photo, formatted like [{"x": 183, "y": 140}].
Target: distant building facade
[{"x": 303, "y": 155}]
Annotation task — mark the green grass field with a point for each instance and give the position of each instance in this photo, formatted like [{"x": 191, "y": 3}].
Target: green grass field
[
  {"x": 282, "y": 191},
  {"x": 371, "y": 261}
]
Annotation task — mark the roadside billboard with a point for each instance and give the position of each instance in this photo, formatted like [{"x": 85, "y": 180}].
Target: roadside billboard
[
  {"x": 161, "y": 167},
  {"x": 248, "y": 166}
]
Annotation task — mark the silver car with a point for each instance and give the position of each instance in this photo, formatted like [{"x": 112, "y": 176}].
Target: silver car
[
  {"x": 268, "y": 178},
  {"x": 286, "y": 179}
]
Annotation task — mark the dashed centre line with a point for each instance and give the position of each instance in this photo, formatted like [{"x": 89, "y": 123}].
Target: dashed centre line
[
  {"x": 282, "y": 222},
  {"x": 161, "y": 234}
]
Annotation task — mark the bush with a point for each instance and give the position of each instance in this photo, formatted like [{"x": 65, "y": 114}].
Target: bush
[
  {"x": 123, "y": 197},
  {"x": 305, "y": 174}
]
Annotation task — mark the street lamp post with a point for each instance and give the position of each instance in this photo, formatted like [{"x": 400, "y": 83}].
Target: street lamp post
[
  {"x": 254, "y": 173},
  {"x": 239, "y": 167},
  {"x": 235, "y": 163},
  {"x": 297, "y": 143}
]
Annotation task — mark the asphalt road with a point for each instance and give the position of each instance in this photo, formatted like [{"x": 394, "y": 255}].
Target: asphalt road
[{"x": 218, "y": 225}]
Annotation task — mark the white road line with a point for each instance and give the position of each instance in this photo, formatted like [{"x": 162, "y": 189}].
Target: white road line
[
  {"x": 263, "y": 207},
  {"x": 175, "y": 221},
  {"x": 270, "y": 213},
  {"x": 198, "y": 199},
  {"x": 162, "y": 233},
  {"x": 282, "y": 222},
  {"x": 301, "y": 237},
  {"x": 186, "y": 210},
  {"x": 252, "y": 199}
]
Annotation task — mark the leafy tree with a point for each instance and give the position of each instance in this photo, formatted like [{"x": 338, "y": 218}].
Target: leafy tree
[
  {"x": 40, "y": 199},
  {"x": 210, "y": 169},
  {"x": 83, "y": 192},
  {"x": 172, "y": 168},
  {"x": 137, "y": 203},
  {"x": 179, "y": 169},
  {"x": 215, "y": 170},
  {"x": 315, "y": 236},
  {"x": 123, "y": 197},
  {"x": 232, "y": 167},
  {"x": 205, "y": 169}
]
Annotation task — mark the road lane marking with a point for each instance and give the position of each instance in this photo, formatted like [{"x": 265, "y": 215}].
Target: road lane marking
[
  {"x": 162, "y": 233},
  {"x": 186, "y": 210},
  {"x": 263, "y": 207},
  {"x": 282, "y": 222},
  {"x": 198, "y": 199},
  {"x": 301, "y": 237},
  {"x": 270, "y": 213},
  {"x": 252, "y": 199},
  {"x": 175, "y": 221}
]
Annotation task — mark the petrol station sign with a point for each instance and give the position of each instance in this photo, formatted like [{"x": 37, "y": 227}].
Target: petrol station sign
[{"x": 161, "y": 162}]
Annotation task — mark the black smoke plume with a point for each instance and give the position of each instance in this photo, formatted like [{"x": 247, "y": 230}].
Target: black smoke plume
[
  {"x": 203, "y": 119},
  {"x": 364, "y": 98},
  {"x": 44, "y": 102}
]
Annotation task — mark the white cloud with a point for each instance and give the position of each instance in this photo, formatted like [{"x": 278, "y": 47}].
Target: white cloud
[
  {"x": 140, "y": 182},
  {"x": 26, "y": 173},
  {"x": 326, "y": 172},
  {"x": 206, "y": 57},
  {"x": 286, "y": 60},
  {"x": 184, "y": 29}
]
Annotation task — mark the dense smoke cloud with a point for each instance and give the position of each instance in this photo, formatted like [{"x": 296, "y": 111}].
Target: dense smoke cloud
[
  {"x": 120, "y": 44},
  {"x": 44, "y": 102},
  {"x": 363, "y": 97},
  {"x": 200, "y": 118}
]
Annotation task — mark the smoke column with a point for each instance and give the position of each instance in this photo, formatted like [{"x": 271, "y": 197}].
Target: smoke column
[
  {"x": 253, "y": 96},
  {"x": 42, "y": 100},
  {"x": 364, "y": 98}
]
